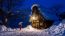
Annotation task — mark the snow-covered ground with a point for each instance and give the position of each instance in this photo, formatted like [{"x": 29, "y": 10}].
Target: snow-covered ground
[{"x": 30, "y": 31}]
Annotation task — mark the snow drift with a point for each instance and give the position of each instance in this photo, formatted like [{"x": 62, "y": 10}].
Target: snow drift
[{"x": 30, "y": 31}]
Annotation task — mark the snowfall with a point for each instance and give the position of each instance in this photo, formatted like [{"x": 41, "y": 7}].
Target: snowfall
[{"x": 54, "y": 30}]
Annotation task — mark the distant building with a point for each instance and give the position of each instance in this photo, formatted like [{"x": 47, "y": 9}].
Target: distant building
[{"x": 37, "y": 19}]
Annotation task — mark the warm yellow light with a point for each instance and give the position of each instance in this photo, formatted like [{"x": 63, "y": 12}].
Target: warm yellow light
[{"x": 33, "y": 17}]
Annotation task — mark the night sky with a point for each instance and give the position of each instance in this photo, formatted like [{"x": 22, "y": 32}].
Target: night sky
[{"x": 23, "y": 7}]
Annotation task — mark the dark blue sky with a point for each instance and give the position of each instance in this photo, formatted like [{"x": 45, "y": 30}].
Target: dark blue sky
[{"x": 46, "y": 7}]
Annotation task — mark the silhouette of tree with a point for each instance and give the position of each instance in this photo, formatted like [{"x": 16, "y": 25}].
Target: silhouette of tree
[
  {"x": 62, "y": 15},
  {"x": 2, "y": 16}
]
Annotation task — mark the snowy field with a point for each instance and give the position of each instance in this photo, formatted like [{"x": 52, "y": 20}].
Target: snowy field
[{"x": 29, "y": 31}]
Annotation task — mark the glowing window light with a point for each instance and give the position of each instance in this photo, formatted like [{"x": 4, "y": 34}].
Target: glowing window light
[{"x": 34, "y": 17}]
